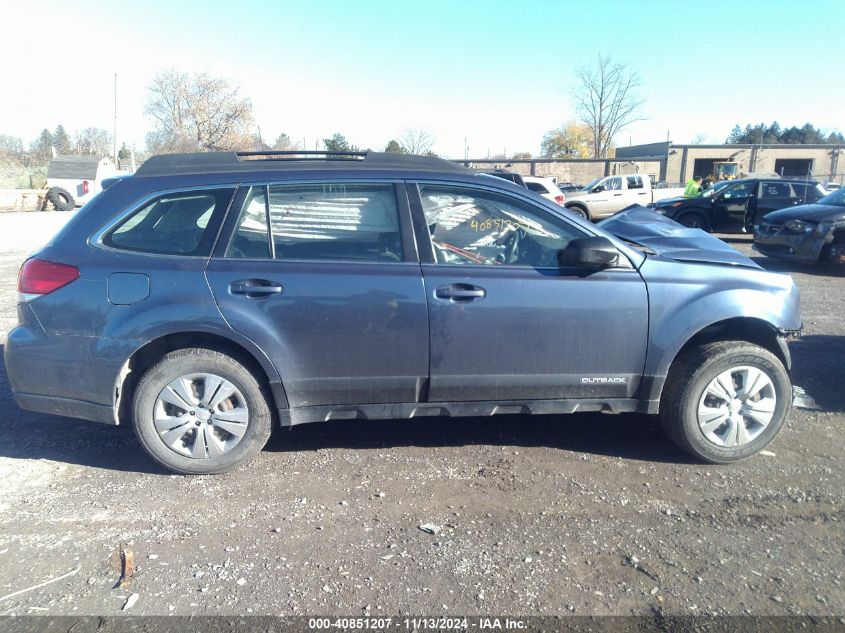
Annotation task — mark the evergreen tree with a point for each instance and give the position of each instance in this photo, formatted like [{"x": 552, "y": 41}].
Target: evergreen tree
[
  {"x": 61, "y": 140},
  {"x": 43, "y": 145},
  {"x": 393, "y": 147}
]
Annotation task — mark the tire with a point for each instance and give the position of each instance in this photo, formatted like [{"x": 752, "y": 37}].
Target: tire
[
  {"x": 685, "y": 391},
  {"x": 580, "y": 211},
  {"x": 61, "y": 199},
  {"x": 694, "y": 220},
  {"x": 198, "y": 443}
]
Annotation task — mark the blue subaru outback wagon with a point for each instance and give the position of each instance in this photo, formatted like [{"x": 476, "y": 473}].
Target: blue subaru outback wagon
[{"x": 210, "y": 296}]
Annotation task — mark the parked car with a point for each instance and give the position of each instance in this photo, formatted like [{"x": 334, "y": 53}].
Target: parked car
[
  {"x": 738, "y": 204},
  {"x": 74, "y": 180},
  {"x": 832, "y": 186},
  {"x": 546, "y": 187},
  {"x": 210, "y": 296},
  {"x": 808, "y": 233},
  {"x": 567, "y": 187},
  {"x": 605, "y": 196},
  {"x": 512, "y": 176}
]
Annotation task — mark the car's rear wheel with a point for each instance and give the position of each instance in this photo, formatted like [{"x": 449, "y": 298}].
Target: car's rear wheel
[
  {"x": 693, "y": 220},
  {"x": 725, "y": 401},
  {"x": 198, "y": 411},
  {"x": 579, "y": 211}
]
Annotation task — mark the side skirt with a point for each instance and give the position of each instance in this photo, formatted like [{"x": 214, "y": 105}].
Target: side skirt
[{"x": 408, "y": 410}]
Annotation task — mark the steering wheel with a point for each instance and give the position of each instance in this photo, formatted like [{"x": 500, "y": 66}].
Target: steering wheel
[{"x": 511, "y": 247}]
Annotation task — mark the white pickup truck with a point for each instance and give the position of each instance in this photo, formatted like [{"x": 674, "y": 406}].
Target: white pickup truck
[{"x": 605, "y": 196}]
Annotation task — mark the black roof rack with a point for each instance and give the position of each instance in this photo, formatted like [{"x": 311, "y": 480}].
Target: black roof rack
[
  {"x": 301, "y": 155},
  {"x": 222, "y": 162}
]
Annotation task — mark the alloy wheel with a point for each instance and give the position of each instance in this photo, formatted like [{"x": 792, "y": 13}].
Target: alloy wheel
[
  {"x": 737, "y": 406},
  {"x": 201, "y": 415}
]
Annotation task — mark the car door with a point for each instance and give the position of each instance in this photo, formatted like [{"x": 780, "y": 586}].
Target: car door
[
  {"x": 324, "y": 278},
  {"x": 506, "y": 322},
  {"x": 636, "y": 193},
  {"x": 731, "y": 204},
  {"x": 609, "y": 200},
  {"x": 772, "y": 195}
]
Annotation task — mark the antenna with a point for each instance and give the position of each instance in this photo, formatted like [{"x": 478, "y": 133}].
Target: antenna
[{"x": 114, "y": 136}]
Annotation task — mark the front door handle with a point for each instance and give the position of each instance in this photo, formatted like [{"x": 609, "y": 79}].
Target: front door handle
[
  {"x": 460, "y": 293},
  {"x": 255, "y": 288}
]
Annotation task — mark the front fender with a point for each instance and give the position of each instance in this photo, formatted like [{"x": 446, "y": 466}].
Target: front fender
[{"x": 685, "y": 298}]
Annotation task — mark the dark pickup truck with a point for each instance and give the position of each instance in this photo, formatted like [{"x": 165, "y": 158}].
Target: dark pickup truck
[{"x": 732, "y": 206}]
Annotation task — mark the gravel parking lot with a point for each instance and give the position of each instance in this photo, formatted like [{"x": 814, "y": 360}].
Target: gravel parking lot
[{"x": 586, "y": 514}]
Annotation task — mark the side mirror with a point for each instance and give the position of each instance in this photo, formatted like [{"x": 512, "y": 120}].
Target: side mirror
[
  {"x": 589, "y": 252},
  {"x": 598, "y": 188}
]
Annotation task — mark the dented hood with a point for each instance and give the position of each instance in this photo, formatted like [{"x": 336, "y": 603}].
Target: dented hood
[{"x": 669, "y": 239}]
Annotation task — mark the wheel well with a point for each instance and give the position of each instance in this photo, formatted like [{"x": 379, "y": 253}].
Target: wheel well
[
  {"x": 752, "y": 330},
  {"x": 701, "y": 213},
  {"x": 148, "y": 355}
]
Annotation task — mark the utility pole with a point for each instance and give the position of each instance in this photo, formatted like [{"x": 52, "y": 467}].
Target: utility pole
[{"x": 114, "y": 139}]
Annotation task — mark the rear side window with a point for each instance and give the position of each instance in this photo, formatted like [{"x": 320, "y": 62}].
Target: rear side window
[
  {"x": 330, "y": 222},
  {"x": 536, "y": 186},
  {"x": 806, "y": 191},
  {"x": 182, "y": 223},
  {"x": 774, "y": 190},
  {"x": 635, "y": 182}
]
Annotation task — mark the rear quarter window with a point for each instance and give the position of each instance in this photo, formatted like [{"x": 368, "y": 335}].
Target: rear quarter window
[
  {"x": 183, "y": 223},
  {"x": 536, "y": 186}
]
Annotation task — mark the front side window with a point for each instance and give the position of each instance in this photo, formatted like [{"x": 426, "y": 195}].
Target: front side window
[
  {"x": 613, "y": 184},
  {"x": 183, "y": 223},
  {"x": 739, "y": 191},
  {"x": 470, "y": 226},
  {"x": 330, "y": 222}
]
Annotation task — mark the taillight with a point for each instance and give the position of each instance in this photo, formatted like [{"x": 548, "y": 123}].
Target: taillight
[
  {"x": 40, "y": 277},
  {"x": 84, "y": 186},
  {"x": 560, "y": 199}
]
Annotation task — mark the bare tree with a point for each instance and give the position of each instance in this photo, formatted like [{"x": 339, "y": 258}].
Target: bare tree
[
  {"x": 10, "y": 144},
  {"x": 196, "y": 112},
  {"x": 607, "y": 100},
  {"x": 93, "y": 141},
  {"x": 416, "y": 141}
]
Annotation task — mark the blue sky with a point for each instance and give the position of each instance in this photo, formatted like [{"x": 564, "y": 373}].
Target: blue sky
[{"x": 499, "y": 74}]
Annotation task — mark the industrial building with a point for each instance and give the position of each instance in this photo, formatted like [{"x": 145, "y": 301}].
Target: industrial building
[{"x": 675, "y": 164}]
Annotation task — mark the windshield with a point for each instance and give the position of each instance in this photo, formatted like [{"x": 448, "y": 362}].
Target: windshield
[
  {"x": 592, "y": 184},
  {"x": 837, "y": 198}
]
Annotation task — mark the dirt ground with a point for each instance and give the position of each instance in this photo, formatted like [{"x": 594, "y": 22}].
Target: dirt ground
[{"x": 586, "y": 514}]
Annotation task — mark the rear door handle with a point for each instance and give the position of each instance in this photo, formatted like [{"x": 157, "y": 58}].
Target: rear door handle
[
  {"x": 255, "y": 288},
  {"x": 460, "y": 293}
]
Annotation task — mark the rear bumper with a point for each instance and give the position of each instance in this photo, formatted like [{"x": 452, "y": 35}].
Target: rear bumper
[{"x": 65, "y": 375}]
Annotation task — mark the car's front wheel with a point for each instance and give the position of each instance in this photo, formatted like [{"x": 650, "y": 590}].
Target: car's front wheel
[
  {"x": 198, "y": 411},
  {"x": 580, "y": 211},
  {"x": 693, "y": 220},
  {"x": 725, "y": 401}
]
